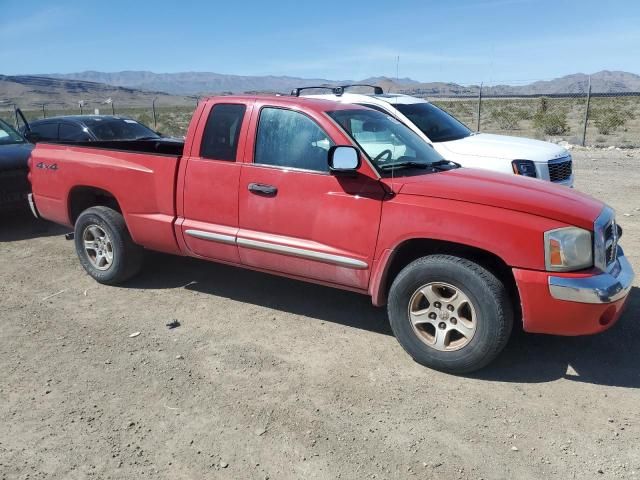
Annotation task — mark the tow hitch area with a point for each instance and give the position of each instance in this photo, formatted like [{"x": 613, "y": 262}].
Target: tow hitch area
[{"x": 69, "y": 236}]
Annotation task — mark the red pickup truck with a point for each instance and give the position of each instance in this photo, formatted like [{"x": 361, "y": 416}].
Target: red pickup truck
[{"x": 348, "y": 197}]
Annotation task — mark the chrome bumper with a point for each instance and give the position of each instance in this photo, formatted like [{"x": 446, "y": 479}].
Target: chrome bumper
[
  {"x": 32, "y": 205},
  {"x": 605, "y": 287}
]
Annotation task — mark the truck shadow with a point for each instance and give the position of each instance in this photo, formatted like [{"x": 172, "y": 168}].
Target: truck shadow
[
  {"x": 610, "y": 358},
  {"x": 21, "y": 225},
  {"x": 270, "y": 291}
]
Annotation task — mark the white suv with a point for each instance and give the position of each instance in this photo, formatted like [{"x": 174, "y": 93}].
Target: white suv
[{"x": 454, "y": 141}]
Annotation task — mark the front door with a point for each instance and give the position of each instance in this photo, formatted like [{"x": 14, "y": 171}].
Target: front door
[{"x": 297, "y": 218}]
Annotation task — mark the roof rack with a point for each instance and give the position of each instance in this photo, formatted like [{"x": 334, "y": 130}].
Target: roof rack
[{"x": 339, "y": 90}]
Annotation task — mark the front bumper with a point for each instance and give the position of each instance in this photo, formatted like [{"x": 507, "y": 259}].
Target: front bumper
[
  {"x": 605, "y": 287},
  {"x": 574, "y": 303}
]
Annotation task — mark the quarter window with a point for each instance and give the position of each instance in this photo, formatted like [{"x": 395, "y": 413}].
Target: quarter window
[
  {"x": 220, "y": 138},
  {"x": 287, "y": 138}
]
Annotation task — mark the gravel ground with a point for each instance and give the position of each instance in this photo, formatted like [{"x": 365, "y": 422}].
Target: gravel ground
[{"x": 270, "y": 378}]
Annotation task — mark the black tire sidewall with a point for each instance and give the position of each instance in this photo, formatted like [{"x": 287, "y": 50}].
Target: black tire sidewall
[{"x": 483, "y": 290}]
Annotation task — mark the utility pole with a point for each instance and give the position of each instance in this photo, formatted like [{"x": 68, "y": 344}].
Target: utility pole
[
  {"x": 153, "y": 107},
  {"x": 586, "y": 113},
  {"x": 479, "y": 107}
]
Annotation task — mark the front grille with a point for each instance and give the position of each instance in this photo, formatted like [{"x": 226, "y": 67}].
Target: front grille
[
  {"x": 606, "y": 236},
  {"x": 560, "y": 170},
  {"x": 611, "y": 242}
]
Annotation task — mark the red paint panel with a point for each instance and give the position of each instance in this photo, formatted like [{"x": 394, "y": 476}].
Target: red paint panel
[
  {"x": 515, "y": 237},
  {"x": 314, "y": 211},
  {"x": 526, "y": 195},
  {"x": 544, "y": 314},
  {"x": 143, "y": 184}
]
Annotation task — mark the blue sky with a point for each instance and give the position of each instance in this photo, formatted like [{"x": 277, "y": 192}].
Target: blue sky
[{"x": 464, "y": 41}]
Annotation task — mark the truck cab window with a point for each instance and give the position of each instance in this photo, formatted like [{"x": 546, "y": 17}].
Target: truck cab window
[
  {"x": 290, "y": 139},
  {"x": 220, "y": 138}
]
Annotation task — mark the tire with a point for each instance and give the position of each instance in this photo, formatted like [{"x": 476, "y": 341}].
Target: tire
[
  {"x": 461, "y": 288},
  {"x": 120, "y": 258}
]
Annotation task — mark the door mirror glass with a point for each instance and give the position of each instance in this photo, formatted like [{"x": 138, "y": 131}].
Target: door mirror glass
[{"x": 343, "y": 159}]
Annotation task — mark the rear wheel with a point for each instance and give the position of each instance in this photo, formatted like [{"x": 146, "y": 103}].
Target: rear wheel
[
  {"x": 449, "y": 313},
  {"x": 104, "y": 246}
]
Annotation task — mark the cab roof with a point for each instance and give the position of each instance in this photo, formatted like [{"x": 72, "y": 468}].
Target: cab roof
[{"x": 314, "y": 103}]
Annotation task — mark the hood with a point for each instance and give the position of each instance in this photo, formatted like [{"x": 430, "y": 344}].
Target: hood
[
  {"x": 15, "y": 156},
  {"x": 502, "y": 146},
  {"x": 511, "y": 192}
]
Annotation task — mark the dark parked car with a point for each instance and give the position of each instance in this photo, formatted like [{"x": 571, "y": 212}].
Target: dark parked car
[
  {"x": 14, "y": 157},
  {"x": 88, "y": 128}
]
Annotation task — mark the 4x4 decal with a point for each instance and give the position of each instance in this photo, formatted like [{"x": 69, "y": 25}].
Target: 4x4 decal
[{"x": 45, "y": 166}]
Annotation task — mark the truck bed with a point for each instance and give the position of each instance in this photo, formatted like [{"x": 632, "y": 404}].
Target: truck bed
[{"x": 141, "y": 175}]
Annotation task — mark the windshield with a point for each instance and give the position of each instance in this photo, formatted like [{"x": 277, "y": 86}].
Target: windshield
[
  {"x": 8, "y": 135},
  {"x": 388, "y": 143},
  {"x": 435, "y": 123},
  {"x": 119, "y": 129}
]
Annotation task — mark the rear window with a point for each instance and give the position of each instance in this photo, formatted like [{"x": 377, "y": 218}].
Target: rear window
[{"x": 119, "y": 129}]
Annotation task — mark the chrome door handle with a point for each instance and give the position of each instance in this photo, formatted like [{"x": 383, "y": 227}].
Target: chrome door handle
[{"x": 262, "y": 189}]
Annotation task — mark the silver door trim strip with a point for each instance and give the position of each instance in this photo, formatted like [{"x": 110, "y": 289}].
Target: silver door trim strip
[
  {"x": 214, "y": 237},
  {"x": 303, "y": 253}
]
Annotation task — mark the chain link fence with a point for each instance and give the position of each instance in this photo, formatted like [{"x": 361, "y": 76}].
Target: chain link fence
[
  {"x": 595, "y": 119},
  {"x": 580, "y": 118}
]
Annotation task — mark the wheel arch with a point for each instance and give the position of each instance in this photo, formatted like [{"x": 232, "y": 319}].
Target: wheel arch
[
  {"x": 412, "y": 249},
  {"x": 82, "y": 197}
]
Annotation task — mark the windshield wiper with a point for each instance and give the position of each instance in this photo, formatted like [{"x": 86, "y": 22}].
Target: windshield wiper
[
  {"x": 444, "y": 165},
  {"x": 438, "y": 165},
  {"x": 393, "y": 166}
]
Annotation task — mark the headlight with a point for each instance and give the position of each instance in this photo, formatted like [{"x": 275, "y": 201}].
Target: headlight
[
  {"x": 526, "y": 168},
  {"x": 568, "y": 248}
]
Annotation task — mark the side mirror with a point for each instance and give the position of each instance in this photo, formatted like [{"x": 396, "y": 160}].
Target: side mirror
[
  {"x": 32, "y": 137},
  {"x": 343, "y": 160}
]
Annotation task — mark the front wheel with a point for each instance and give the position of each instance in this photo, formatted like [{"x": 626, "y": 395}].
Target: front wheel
[
  {"x": 450, "y": 313},
  {"x": 104, "y": 246}
]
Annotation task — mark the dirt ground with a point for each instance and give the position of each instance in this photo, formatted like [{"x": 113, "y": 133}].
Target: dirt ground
[{"x": 270, "y": 378}]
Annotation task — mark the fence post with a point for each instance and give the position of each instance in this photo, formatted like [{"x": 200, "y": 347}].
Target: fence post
[
  {"x": 479, "y": 107},
  {"x": 113, "y": 109},
  {"x": 153, "y": 107},
  {"x": 44, "y": 111},
  {"x": 586, "y": 114}
]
